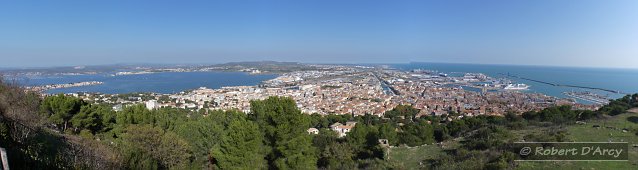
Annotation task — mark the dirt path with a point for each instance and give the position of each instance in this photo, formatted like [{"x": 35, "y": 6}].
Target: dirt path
[{"x": 634, "y": 110}]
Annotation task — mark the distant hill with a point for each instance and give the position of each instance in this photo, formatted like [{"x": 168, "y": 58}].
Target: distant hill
[
  {"x": 265, "y": 66},
  {"x": 68, "y": 69}
]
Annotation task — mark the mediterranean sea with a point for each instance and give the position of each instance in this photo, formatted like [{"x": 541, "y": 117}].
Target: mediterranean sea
[
  {"x": 623, "y": 80},
  {"x": 164, "y": 82}
]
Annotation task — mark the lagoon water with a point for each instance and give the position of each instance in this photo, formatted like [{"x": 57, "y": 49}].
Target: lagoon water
[
  {"x": 166, "y": 82},
  {"x": 623, "y": 80}
]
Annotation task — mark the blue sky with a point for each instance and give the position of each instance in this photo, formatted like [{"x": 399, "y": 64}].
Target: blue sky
[{"x": 585, "y": 33}]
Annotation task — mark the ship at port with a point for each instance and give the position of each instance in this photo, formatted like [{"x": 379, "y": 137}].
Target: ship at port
[{"x": 516, "y": 87}]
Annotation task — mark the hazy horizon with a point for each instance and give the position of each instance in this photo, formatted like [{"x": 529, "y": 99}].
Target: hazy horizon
[
  {"x": 571, "y": 33},
  {"x": 336, "y": 63}
]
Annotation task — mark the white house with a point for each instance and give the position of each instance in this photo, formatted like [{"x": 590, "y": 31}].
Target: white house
[
  {"x": 152, "y": 104},
  {"x": 342, "y": 129}
]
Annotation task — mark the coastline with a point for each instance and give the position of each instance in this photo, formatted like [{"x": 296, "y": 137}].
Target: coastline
[{"x": 452, "y": 69}]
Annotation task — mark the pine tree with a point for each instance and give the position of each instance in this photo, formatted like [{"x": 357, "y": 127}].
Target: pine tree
[
  {"x": 241, "y": 147},
  {"x": 284, "y": 128}
]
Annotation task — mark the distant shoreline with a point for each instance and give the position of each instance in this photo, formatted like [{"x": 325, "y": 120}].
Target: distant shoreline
[{"x": 161, "y": 82}]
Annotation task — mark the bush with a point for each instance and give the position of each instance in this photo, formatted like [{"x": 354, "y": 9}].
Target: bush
[{"x": 86, "y": 134}]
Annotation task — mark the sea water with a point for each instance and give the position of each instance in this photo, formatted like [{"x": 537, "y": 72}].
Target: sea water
[{"x": 623, "y": 80}]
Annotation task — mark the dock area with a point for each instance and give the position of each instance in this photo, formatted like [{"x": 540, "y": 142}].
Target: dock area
[{"x": 588, "y": 96}]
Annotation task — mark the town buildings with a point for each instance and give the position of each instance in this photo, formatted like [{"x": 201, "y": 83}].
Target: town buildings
[{"x": 359, "y": 91}]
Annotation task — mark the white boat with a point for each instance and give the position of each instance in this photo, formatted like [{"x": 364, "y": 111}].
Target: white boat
[{"x": 516, "y": 87}]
